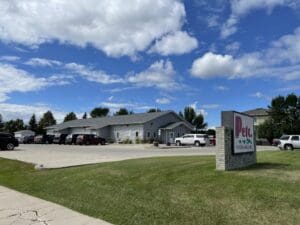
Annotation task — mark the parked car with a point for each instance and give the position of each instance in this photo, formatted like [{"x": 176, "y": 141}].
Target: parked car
[
  {"x": 193, "y": 139},
  {"x": 71, "y": 139},
  {"x": 212, "y": 140},
  {"x": 289, "y": 142},
  {"x": 59, "y": 139},
  {"x": 8, "y": 141},
  {"x": 28, "y": 140},
  {"x": 43, "y": 139},
  {"x": 276, "y": 142},
  {"x": 88, "y": 139}
]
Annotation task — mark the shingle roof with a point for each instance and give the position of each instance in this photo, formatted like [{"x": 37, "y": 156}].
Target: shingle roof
[
  {"x": 174, "y": 125},
  {"x": 96, "y": 123},
  {"x": 257, "y": 112}
]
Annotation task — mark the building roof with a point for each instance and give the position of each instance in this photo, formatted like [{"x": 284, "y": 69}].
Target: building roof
[
  {"x": 97, "y": 123},
  {"x": 177, "y": 124},
  {"x": 24, "y": 131},
  {"x": 257, "y": 112}
]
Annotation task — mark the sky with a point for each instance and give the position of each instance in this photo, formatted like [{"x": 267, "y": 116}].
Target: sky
[{"x": 212, "y": 55}]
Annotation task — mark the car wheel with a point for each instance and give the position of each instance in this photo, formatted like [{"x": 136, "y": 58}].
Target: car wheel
[
  {"x": 178, "y": 143},
  {"x": 10, "y": 146},
  {"x": 288, "y": 147},
  {"x": 197, "y": 143}
]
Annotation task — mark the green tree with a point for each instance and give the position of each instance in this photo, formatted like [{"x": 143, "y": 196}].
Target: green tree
[
  {"x": 122, "y": 111},
  {"x": 199, "y": 123},
  {"x": 84, "y": 116},
  {"x": 99, "y": 112},
  {"x": 1, "y": 123},
  {"x": 70, "y": 116},
  {"x": 153, "y": 110},
  {"x": 181, "y": 114},
  {"x": 189, "y": 114},
  {"x": 46, "y": 121},
  {"x": 14, "y": 125},
  {"x": 33, "y": 123}
]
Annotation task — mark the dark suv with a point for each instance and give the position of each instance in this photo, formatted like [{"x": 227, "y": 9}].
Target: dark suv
[
  {"x": 89, "y": 139},
  {"x": 59, "y": 139},
  {"x": 8, "y": 141}
]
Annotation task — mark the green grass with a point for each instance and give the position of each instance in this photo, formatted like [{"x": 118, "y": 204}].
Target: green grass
[{"x": 173, "y": 190}]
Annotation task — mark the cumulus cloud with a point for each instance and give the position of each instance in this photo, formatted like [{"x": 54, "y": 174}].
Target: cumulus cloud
[
  {"x": 160, "y": 74},
  {"x": 42, "y": 62},
  {"x": 221, "y": 88},
  {"x": 93, "y": 75},
  {"x": 13, "y": 79},
  {"x": 114, "y": 106},
  {"x": 15, "y": 111},
  {"x": 240, "y": 8},
  {"x": 163, "y": 101},
  {"x": 115, "y": 27},
  {"x": 176, "y": 43},
  {"x": 9, "y": 58},
  {"x": 281, "y": 59}
]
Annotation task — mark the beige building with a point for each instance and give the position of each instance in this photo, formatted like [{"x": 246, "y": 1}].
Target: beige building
[{"x": 260, "y": 115}]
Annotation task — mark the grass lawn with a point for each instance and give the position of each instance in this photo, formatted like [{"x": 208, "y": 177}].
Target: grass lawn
[{"x": 173, "y": 190}]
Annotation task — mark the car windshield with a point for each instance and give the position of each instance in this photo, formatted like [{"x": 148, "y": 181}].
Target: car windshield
[{"x": 285, "y": 137}]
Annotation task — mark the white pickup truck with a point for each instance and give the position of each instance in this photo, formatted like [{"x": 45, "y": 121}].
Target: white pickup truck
[{"x": 193, "y": 139}]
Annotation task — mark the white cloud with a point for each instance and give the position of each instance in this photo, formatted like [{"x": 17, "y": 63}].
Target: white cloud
[
  {"x": 115, "y": 27},
  {"x": 260, "y": 95},
  {"x": 15, "y": 111},
  {"x": 13, "y": 79},
  {"x": 93, "y": 75},
  {"x": 281, "y": 60},
  {"x": 160, "y": 74},
  {"x": 221, "y": 88},
  {"x": 163, "y": 101},
  {"x": 233, "y": 47},
  {"x": 211, "y": 106},
  {"x": 176, "y": 43},
  {"x": 198, "y": 110},
  {"x": 114, "y": 106},
  {"x": 42, "y": 62},
  {"x": 9, "y": 58},
  {"x": 240, "y": 8}
]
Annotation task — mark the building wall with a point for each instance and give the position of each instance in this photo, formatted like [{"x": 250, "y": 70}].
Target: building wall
[
  {"x": 167, "y": 136},
  {"x": 124, "y": 132},
  {"x": 153, "y": 126},
  {"x": 260, "y": 120},
  {"x": 103, "y": 132}
]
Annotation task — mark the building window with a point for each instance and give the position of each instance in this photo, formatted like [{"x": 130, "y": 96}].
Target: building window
[
  {"x": 154, "y": 135},
  {"x": 178, "y": 135},
  {"x": 148, "y": 134},
  {"x": 118, "y": 135},
  {"x": 151, "y": 124},
  {"x": 136, "y": 134}
]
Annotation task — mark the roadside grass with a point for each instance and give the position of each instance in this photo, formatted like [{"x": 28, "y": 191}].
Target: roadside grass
[{"x": 170, "y": 190}]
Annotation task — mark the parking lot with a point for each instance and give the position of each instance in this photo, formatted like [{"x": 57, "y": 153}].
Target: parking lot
[{"x": 56, "y": 156}]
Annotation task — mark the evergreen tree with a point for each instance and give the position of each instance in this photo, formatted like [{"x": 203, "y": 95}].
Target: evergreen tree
[
  {"x": 153, "y": 110},
  {"x": 198, "y": 122},
  {"x": 46, "y": 121},
  {"x": 122, "y": 111},
  {"x": 99, "y": 112},
  {"x": 33, "y": 123},
  {"x": 70, "y": 116},
  {"x": 189, "y": 114},
  {"x": 84, "y": 116},
  {"x": 14, "y": 125}
]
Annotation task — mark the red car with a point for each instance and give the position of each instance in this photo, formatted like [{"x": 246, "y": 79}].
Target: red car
[{"x": 212, "y": 140}]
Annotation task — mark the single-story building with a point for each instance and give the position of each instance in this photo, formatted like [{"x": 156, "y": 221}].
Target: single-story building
[
  {"x": 23, "y": 133},
  {"x": 260, "y": 115},
  {"x": 159, "y": 126}
]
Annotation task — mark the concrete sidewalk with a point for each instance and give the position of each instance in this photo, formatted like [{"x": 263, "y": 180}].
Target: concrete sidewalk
[{"x": 20, "y": 209}]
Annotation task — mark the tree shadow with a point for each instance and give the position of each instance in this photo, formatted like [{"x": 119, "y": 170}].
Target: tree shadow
[{"x": 267, "y": 166}]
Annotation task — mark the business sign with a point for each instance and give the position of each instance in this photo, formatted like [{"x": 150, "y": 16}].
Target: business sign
[{"x": 243, "y": 133}]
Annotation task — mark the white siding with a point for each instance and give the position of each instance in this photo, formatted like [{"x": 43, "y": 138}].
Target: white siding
[{"x": 123, "y": 132}]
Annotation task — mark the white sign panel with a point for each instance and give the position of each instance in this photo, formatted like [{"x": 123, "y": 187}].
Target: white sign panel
[{"x": 243, "y": 133}]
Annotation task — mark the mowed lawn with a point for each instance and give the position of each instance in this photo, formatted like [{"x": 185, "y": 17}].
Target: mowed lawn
[{"x": 171, "y": 190}]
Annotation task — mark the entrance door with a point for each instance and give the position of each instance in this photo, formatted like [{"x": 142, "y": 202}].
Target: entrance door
[{"x": 172, "y": 137}]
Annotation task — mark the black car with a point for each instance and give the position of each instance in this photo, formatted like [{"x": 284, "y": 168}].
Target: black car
[
  {"x": 71, "y": 139},
  {"x": 59, "y": 139},
  {"x": 43, "y": 139},
  {"x": 28, "y": 140},
  {"x": 8, "y": 141}
]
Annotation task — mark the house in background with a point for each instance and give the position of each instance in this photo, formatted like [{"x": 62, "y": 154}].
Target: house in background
[
  {"x": 159, "y": 126},
  {"x": 260, "y": 115},
  {"x": 21, "y": 134}
]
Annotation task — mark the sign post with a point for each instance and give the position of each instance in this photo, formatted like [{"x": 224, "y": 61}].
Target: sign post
[{"x": 236, "y": 147}]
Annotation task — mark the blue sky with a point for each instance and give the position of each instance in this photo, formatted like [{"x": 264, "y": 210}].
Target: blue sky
[{"x": 213, "y": 55}]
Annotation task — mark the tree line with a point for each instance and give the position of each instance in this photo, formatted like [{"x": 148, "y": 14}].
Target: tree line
[
  {"x": 284, "y": 118},
  {"x": 47, "y": 119}
]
